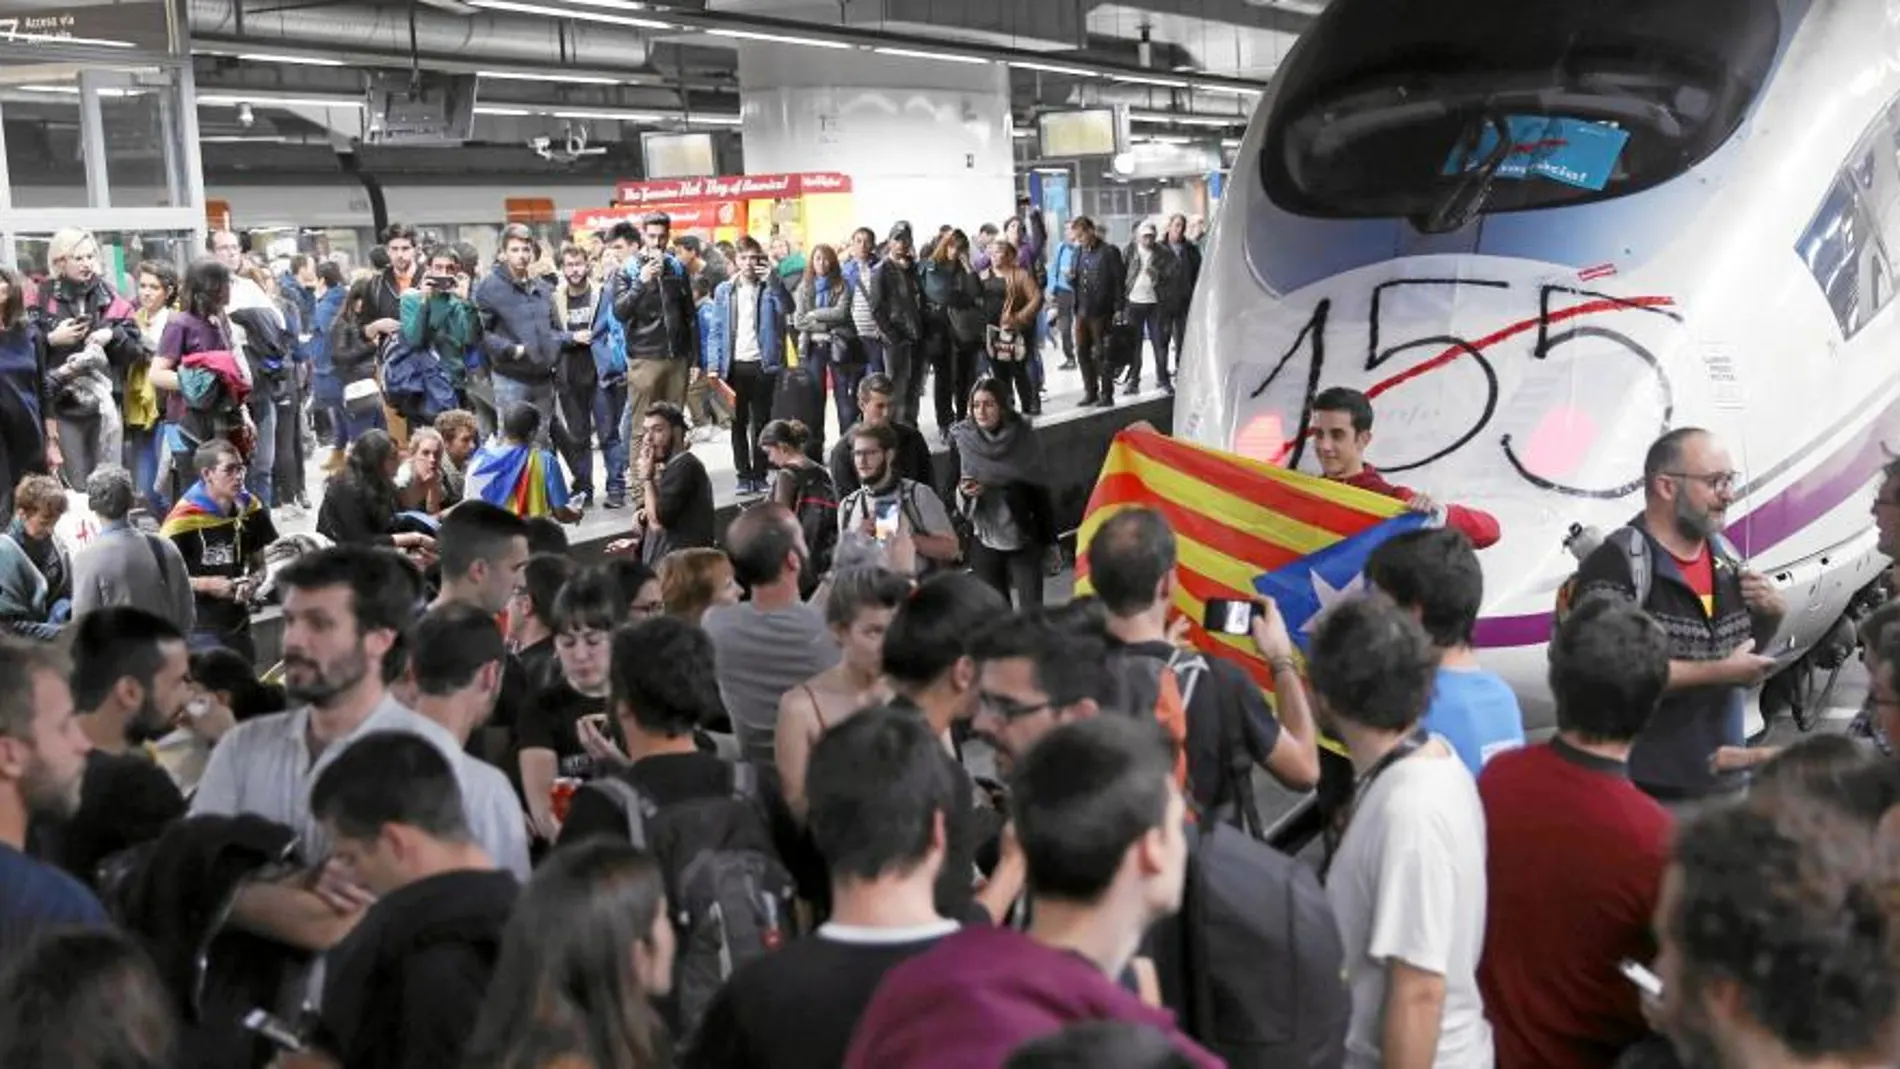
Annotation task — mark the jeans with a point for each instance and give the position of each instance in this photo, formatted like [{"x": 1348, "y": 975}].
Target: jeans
[
  {"x": 846, "y": 374},
  {"x": 1173, "y": 337},
  {"x": 1091, "y": 351},
  {"x": 258, "y": 479},
  {"x": 752, "y": 408},
  {"x": 1065, "y": 324},
  {"x": 1153, "y": 326},
  {"x": 1004, "y": 569},
  {"x": 141, "y": 459},
  {"x": 85, "y": 443},
  {"x": 574, "y": 433},
  {"x": 610, "y": 408},
  {"x": 511, "y": 392},
  {"x": 904, "y": 362}
]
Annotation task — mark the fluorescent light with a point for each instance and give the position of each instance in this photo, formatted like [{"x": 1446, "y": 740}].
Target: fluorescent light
[
  {"x": 234, "y": 99},
  {"x": 611, "y": 116},
  {"x": 1022, "y": 133},
  {"x": 1053, "y": 68},
  {"x": 570, "y": 13},
  {"x": 715, "y": 120},
  {"x": 913, "y": 53},
  {"x": 777, "y": 38},
  {"x": 618, "y": 5},
  {"x": 1230, "y": 90},
  {"x": 62, "y": 39},
  {"x": 247, "y": 139},
  {"x": 73, "y": 90},
  {"x": 485, "y": 109},
  {"x": 1187, "y": 119},
  {"x": 1230, "y": 142},
  {"x": 1164, "y": 139},
  {"x": 576, "y": 79},
  {"x": 273, "y": 57},
  {"x": 1142, "y": 79}
]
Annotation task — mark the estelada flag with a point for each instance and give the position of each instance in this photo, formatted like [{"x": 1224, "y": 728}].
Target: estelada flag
[
  {"x": 1243, "y": 527},
  {"x": 522, "y": 479}
]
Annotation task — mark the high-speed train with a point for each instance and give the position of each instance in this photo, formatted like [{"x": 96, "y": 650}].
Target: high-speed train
[{"x": 1539, "y": 234}]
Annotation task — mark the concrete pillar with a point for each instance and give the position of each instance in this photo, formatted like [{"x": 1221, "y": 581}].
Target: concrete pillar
[{"x": 922, "y": 139}]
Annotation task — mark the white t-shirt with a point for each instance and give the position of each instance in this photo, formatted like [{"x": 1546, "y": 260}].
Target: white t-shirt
[
  {"x": 745, "y": 323},
  {"x": 1143, "y": 291},
  {"x": 1408, "y": 885}
]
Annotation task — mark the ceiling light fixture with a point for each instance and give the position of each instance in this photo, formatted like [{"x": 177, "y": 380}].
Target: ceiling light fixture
[
  {"x": 572, "y": 79},
  {"x": 570, "y": 13},
  {"x": 917, "y": 53},
  {"x": 1052, "y": 68},
  {"x": 226, "y": 100},
  {"x": 1188, "y": 119},
  {"x": 489, "y": 109},
  {"x": 777, "y": 38},
  {"x": 273, "y": 57},
  {"x": 1142, "y": 79}
]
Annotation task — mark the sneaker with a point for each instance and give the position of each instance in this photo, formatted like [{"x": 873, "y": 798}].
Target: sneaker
[
  {"x": 1130, "y": 389},
  {"x": 614, "y": 501}
]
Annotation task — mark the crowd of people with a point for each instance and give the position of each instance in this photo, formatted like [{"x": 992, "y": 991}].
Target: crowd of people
[
  {"x": 835, "y": 786},
  {"x": 505, "y": 812}
]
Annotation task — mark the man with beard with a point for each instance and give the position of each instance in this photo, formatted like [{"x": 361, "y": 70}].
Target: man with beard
[
  {"x": 1778, "y": 942},
  {"x": 42, "y": 762},
  {"x": 132, "y": 682},
  {"x": 345, "y": 613},
  {"x": 890, "y": 520},
  {"x": 676, "y": 510},
  {"x": 1716, "y": 612}
]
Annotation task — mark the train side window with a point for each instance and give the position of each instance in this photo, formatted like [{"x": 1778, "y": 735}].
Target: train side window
[{"x": 1846, "y": 257}]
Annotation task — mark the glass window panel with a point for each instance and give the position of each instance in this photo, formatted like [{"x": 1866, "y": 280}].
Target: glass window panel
[{"x": 44, "y": 159}]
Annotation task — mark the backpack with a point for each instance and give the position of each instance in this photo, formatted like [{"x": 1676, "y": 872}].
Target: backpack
[
  {"x": 1642, "y": 568},
  {"x": 1161, "y": 687},
  {"x": 1253, "y": 964},
  {"x": 731, "y": 896},
  {"x": 816, "y": 506}
]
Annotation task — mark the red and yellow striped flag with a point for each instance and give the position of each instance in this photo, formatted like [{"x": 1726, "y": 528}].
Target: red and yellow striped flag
[{"x": 1234, "y": 521}]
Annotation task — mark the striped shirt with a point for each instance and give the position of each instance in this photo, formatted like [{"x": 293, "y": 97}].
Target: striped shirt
[{"x": 264, "y": 767}]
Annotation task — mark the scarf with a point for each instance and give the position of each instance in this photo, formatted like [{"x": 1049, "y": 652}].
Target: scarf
[
  {"x": 1008, "y": 455},
  {"x": 196, "y": 511}
]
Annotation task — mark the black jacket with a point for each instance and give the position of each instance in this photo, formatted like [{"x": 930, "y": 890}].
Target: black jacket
[
  {"x": 174, "y": 895},
  {"x": 1100, "y": 280},
  {"x": 661, "y": 319},
  {"x": 1169, "y": 285},
  {"x": 386, "y": 298},
  {"x": 60, "y": 299},
  {"x": 897, "y": 301},
  {"x": 404, "y": 990},
  {"x": 1188, "y": 255}
]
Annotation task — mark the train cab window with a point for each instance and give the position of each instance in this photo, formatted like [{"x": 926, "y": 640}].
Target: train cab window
[{"x": 1379, "y": 94}]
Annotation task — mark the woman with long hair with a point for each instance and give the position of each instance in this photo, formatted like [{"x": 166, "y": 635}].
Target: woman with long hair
[
  {"x": 804, "y": 486},
  {"x": 694, "y": 580},
  {"x": 199, "y": 329},
  {"x": 144, "y": 412},
  {"x": 953, "y": 324},
  {"x": 353, "y": 360},
  {"x": 424, "y": 483},
  {"x": 29, "y": 432},
  {"x": 360, "y": 502},
  {"x": 821, "y": 313},
  {"x": 589, "y": 946},
  {"x": 1013, "y": 344},
  {"x": 1002, "y": 488}
]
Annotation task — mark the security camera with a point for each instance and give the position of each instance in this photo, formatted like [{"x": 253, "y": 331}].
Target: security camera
[{"x": 245, "y": 116}]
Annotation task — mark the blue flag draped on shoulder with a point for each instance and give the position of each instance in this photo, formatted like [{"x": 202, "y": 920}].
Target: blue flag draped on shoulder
[{"x": 1307, "y": 587}]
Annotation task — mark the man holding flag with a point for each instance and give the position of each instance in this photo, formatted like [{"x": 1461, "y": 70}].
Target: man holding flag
[{"x": 1342, "y": 431}]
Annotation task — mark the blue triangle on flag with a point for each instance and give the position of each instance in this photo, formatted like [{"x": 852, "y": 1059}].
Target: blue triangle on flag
[{"x": 1309, "y": 586}]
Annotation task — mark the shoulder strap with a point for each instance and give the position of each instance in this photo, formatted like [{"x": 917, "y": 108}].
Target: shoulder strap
[
  {"x": 1642, "y": 568},
  {"x": 639, "y": 809},
  {"x": 158, "y": 558},
  {"x": 1188, "y": 667},
  {"x": 817, "y": 711},
  {"x": 745, "y": 781}
]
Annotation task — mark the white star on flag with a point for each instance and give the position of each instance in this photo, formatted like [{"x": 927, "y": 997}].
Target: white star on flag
[{"x": 1329, "y": 595}]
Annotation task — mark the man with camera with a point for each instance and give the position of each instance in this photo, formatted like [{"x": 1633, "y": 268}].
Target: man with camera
[{"x": 653, "y": 296}]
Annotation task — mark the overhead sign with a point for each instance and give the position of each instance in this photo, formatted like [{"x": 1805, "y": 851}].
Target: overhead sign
[
  {"x": 139, "y": 26},
  {"x": 736, "y": 187}
]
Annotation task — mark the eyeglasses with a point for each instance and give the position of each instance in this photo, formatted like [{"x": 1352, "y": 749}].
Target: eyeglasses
[
  {"x": 866, "y": 454},
  {"x": 1008, "y": 710},
  {"x": 230, "y": 469},
  {"x": 1721, "y": 481}
]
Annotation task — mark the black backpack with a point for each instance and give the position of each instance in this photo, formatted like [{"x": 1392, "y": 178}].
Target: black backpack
[
  {"x": 731, "y": 896},
  {"x": 816, "y": 505}
]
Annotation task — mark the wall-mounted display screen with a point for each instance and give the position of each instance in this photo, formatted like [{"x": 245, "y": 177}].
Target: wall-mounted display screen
[
  {"x": 678, "y": 155},
  {"x": 1084, "y": 132}
]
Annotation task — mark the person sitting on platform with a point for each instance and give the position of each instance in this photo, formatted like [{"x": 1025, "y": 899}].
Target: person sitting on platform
[{"x": 518, "y": 475}]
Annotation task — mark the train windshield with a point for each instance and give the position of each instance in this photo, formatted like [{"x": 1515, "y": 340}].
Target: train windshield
[{"x": 1441, "y": 110}]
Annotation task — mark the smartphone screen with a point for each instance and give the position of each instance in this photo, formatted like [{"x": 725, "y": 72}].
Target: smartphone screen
[
  {"x": 1647, "y": 982},
  {"x": 273, "y": 1028},
  {"x": 1225, "y": 617},
  {"x": 885, "y": 522}
]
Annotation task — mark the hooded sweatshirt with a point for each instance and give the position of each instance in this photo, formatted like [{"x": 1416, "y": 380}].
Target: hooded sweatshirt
[
  {"x": 403, "y": 989},
  {"x": 979, "y": 994}
]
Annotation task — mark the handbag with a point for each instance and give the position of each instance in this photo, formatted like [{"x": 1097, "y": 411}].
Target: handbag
[{"x": 1006, "y": 345}]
